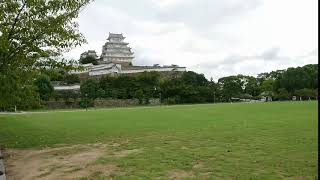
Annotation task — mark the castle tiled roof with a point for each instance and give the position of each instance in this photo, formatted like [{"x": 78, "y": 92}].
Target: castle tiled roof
[{"x": 113, "y": 35}]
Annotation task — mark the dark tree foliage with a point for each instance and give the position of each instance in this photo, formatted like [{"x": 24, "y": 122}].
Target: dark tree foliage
[
  {"x": 32, "y": 35},
  {"x": 142, "y": 87},
  {"x": 89, "y": 92},
  {"x": 67, "y": 95},
  {"x": 44, "y": 87},
  {"x": 194, "y": 79},
  {"x": 266, "y": 85},
  {"x": 230, "y": 87},
  {"x": 251, "y": 86},
  {"x": 191, "y": 87},
  {"x": 305, "y": 93},
  {"x": 270, "y": 75},
  {"x": 89, "y": 89},
  {"x": 88, "y": 60},
  {"x": 54, "y": 74},
  {"x": 71, "y": 79},
  {"x": 298, "y": 78},
  {"x": 282, "y": 94}
]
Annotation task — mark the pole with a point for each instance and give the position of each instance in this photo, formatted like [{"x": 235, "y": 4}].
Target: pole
[{"x": 86, "y": 102}]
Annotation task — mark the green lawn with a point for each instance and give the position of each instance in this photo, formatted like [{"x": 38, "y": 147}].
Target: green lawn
[{"x": 236, "y": 141}]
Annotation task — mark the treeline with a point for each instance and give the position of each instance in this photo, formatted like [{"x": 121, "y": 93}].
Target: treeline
[
  {"x": 187, "y": 87},
  {"x": 190, "y": 87}
]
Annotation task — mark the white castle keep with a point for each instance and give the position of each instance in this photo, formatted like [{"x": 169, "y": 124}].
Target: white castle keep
[
  {"x": 116, "y": 50},
  {"x": 116, "y": 58}
]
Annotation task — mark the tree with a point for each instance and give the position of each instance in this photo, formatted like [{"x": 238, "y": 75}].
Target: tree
[
  {"x": 54, "y": 74},
  {"x": 148, "y": 82},
  {"x": 171, "y": 90},
  {"x": 106, "y": 83},
  {"x": 298, "y": 78},
  {"x": 270, "y": 75},
  {"x": 230, "y": 87},
  {"x": 139, "y": 95},
  {"x": 88, "y": 60},
  {"x": 250, "y": 85},
  {"x": 282, "y": 94},
  {"x": 193, "y": 78},
  {"x": 71, "y": 79},
  {"x": 44, "y": 87},
  {"x": 305, "y": 93},
  {"x": 33, "y": 33},
  {"x": 89, "y": 89},
  {"x": 266, "y": 85},
  {"x": 213, "y": 90}
]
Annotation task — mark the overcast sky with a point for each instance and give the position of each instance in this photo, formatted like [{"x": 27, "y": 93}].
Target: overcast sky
[{"x": 214, "y": 37}]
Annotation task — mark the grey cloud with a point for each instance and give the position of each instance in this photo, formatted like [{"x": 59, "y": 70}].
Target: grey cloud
[
  {"x": 191, "y": 45},
  {"x": 139, "y": 9},
  {"x": 194, "y": 14},
  {"x": 205, "y": 13},
  {"x": 313, "y": 52},
  {"x": 269, "y": 59},
  {"x": 272, "y": 53},
  {"x": 141, "y": 20},
  {"x": 142, "y": 58}
]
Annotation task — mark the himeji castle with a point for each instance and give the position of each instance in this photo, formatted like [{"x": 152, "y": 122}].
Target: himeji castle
[
  {"x": 117, "y": 58},
  {"x": 117, "y": 51}
]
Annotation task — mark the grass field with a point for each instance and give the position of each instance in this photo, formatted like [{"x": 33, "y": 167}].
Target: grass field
[{"x": 219, "y": 141}]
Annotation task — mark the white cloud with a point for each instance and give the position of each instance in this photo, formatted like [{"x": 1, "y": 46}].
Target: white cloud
[{"x": 213, "y": 37}]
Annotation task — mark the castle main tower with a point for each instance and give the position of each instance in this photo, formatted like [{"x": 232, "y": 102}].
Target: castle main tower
[{"x": 117, "y": 51}]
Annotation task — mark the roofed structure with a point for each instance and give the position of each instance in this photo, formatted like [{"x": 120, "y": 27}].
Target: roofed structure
[
  {"x": 116, "y": 50},
  {"x": 117, "y": 57},
  {"x": 91, "y": 53}
]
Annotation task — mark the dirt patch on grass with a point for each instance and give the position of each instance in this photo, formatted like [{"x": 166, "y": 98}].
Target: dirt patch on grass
[
  {"x": 180, "y": 174},
  {"x": 57, "y": 163},
  {"x": 198, "y": 166},
  {"x": 125, "y": 153}
]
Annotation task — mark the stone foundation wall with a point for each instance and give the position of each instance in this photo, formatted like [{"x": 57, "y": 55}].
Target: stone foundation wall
[
  {"x": 99, "y": 103},
  {"x": 61, "y": 104},
  {"x": 84, "y": 76}
]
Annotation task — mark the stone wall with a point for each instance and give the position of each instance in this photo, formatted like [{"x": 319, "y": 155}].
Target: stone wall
[
  {"x": 61, "y": 104},
  {"x": 163, "y": 75},
  {"x": 99, "y": 103}
]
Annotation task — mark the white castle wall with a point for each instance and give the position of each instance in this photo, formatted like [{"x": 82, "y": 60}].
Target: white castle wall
[{"x": 152, "y": 69}]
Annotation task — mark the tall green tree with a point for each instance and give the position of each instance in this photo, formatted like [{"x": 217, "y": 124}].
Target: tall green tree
[
  {"x": 193, "y": 78},
  {"x": 44, "y": 87},
  {"x": 250, "y": 85},
  {"x": 230, "y": 86},
  {"x": 298, "y": 78},
  {"x": 267, "y": 85},
  {"x": 32, "y": 34},
  {"x": 282, "y": 94},
  {"x": 305, "y": 93},
  {"x": 89, "y": 90}
]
